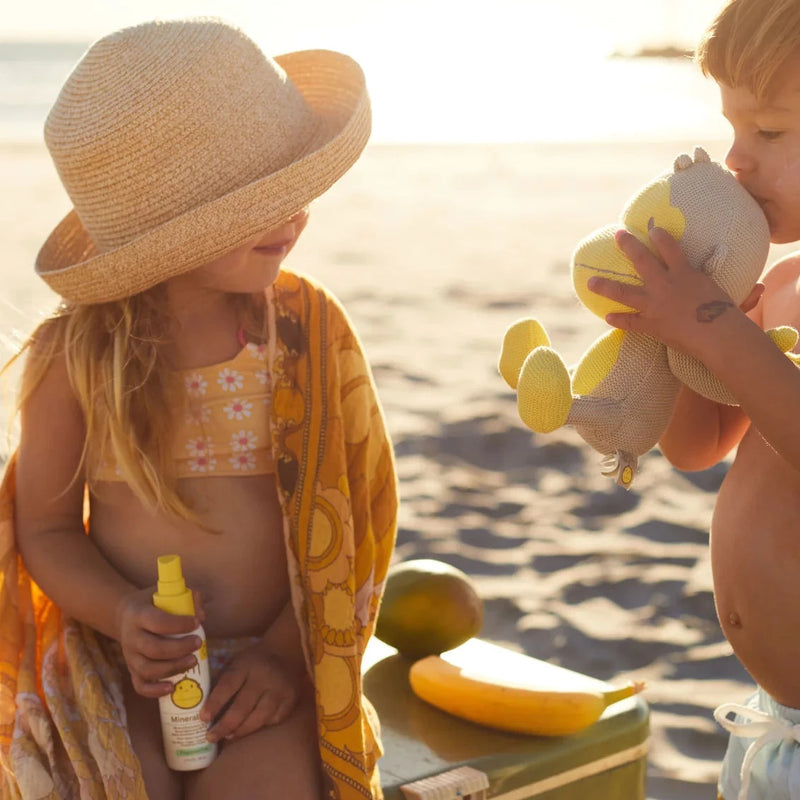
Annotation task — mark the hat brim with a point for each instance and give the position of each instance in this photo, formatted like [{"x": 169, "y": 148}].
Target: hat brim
[{"x": 333, "y": 87}]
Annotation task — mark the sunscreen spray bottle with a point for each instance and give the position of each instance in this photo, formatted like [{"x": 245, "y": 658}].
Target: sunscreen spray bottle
[{"x": 184, "y": 733}]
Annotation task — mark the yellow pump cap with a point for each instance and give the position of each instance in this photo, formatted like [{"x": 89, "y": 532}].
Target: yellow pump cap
[{"x": 172, "y": 595}]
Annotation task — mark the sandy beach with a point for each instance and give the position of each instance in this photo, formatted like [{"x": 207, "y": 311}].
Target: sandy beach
[{"x": 435, "y": 250}]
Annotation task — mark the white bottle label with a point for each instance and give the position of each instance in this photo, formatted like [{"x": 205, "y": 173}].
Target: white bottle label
[{"x": 185, "y": 743}]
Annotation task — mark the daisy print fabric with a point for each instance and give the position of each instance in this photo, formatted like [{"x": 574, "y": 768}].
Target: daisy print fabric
[{"x": 226, "y": 428}]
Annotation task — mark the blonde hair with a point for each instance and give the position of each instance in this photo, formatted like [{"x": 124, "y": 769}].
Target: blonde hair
[
  {"x": 749, "y": 41},
  {"x": 127, "y": 392}
]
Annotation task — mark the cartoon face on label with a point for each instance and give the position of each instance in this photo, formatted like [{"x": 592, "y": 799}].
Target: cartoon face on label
[{"x": 187, "y": 693}]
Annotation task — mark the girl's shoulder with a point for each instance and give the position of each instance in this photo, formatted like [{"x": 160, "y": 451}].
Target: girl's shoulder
[
  {"x": 48, "y": 401},
  {"x": 304, "y": 296},
  {"x": 291, "y": 282},
  {"x": 44, "y": 354},
  {"x": 306, "y": 310}
]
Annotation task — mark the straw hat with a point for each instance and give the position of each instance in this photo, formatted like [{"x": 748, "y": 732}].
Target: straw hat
[{"x": 177, "y": 141}]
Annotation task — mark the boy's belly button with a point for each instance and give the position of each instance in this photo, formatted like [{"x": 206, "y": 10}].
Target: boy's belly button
[{"x": 734, "y": 620}]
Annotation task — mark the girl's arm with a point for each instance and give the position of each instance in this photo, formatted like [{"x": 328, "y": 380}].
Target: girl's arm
[
  {"x": 59, "y": 555},
  {"x": 62, "y": 558}
]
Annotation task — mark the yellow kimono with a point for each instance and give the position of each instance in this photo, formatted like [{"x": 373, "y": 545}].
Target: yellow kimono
[{"x": 62, "y": 719}]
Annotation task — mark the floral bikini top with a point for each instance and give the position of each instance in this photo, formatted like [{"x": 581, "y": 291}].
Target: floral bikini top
[{"x": 226, "y": 429}]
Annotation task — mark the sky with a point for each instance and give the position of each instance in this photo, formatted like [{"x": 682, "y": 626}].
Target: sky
[
  {"x": 503, "y": 70},
  {"x": 536, "y": 22}
]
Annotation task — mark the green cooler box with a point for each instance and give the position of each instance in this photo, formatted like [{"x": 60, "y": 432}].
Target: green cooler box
[{"x": 432, "y": 754}]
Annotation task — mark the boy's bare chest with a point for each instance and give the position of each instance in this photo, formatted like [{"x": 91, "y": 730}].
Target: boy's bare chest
[
  {"x": 755, "y": 559},
  {"x": 760, "y": 493}
]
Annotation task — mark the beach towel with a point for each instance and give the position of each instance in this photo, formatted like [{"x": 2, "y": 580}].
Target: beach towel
[{"x": 62, "y": 717}]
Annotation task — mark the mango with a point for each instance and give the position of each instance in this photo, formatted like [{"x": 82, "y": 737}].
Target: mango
[{"x": 428, "y": 607}]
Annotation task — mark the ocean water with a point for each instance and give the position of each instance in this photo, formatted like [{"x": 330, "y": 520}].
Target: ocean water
[
  {"x": 481, "y": 87},
  {"x": 31, "y": 73}
]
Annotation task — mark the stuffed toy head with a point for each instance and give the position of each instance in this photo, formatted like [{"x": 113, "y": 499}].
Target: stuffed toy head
[
  {"x": 720, "y": 227},
  {"x": 620, "y": 395}
]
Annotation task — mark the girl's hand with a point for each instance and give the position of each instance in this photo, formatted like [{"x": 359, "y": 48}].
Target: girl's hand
[
  {"x": 150, "y": 653},
  {"x": 257, "y": 689},
  {"x": 675, "y": 303}
]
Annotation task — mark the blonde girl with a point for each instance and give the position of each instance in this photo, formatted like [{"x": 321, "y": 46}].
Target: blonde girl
[{"x": 193, "y": 396}]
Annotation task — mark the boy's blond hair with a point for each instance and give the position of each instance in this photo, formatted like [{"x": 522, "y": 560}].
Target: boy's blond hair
[
  {"x": 749, "y": 41},
  {"x": 127, "y": 392}
]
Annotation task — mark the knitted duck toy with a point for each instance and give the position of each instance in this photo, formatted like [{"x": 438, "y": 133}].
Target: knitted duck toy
[{"x": 620, "y": 395}]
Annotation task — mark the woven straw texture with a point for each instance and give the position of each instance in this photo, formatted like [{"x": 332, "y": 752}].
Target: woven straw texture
[{"x": 177, "y": 141}]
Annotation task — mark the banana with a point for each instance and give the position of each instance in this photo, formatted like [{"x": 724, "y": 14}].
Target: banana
[{"x": 495, "y": 687}]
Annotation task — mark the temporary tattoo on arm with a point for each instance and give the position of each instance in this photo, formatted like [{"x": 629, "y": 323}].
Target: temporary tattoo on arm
[{"x": 708, "y": 312}]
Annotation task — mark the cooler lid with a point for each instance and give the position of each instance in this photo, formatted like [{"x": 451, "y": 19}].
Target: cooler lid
[{"x": 420, "y": 741}]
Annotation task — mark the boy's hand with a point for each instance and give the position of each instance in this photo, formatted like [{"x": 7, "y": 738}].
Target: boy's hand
[
  {"x": 675, "y": 302},
  {"x": 258, "y": 690},
  {"x": 150, "y": 654}
]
